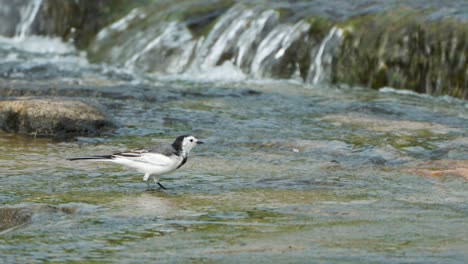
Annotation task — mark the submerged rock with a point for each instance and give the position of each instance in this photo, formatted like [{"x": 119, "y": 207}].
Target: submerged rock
[
  {"x": 441, "y": 168},
  {"x": 52, "y": 118},
  {"x": 11, "y": 217}
]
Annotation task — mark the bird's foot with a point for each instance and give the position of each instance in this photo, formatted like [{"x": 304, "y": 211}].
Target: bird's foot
[{"x": 160, "y": 185}]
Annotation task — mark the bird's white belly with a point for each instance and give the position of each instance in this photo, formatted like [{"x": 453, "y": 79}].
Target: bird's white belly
[{"x": 147, "y": 166}]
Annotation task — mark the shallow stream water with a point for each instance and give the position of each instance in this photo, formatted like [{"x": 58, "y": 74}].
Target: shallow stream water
[{"x": 289, "y": 173}]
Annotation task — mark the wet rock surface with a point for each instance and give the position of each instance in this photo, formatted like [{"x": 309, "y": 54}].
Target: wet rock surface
[{"x": 59, "y": 118}]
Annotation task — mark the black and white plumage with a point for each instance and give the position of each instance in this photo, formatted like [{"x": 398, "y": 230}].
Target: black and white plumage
[{"x": 154, "y": 161}]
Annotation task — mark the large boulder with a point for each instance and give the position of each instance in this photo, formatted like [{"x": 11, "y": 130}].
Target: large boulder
[{"x": 53, "y": 118}]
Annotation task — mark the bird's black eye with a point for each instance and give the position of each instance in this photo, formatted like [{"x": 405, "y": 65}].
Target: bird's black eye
[{"x": 191, "y": 140}]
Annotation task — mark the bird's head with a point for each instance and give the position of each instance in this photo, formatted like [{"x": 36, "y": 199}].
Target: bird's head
[{"x": 185, "y": 143}]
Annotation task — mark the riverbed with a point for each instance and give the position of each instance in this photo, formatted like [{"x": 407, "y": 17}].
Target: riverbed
[{"x": 288, "y": 172}]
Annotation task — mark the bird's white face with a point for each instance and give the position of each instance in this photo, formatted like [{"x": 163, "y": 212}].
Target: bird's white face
[{"x": 189, "y": 142}]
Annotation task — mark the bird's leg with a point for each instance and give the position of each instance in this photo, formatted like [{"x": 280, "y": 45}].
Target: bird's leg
[
  {"x": 146, "y": 179},
  {"x": 157, "y": 181}
]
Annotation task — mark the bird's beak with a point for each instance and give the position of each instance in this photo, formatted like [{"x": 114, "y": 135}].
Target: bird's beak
[{"x": 200, "y": 142}]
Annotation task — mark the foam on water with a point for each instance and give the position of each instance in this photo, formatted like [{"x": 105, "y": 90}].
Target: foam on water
[
  {"x": 38, "y": 45},
  {"x": 225, "y": 73}
]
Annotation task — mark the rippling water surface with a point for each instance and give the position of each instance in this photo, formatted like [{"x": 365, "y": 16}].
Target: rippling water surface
[{"x": 289, "y": 173}]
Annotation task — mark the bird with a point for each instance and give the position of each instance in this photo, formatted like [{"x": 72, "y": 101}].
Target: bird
[{"x": 154, "y": 161}]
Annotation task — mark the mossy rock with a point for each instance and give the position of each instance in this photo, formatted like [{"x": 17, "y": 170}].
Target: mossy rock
[{"x": 402, "y": 49}]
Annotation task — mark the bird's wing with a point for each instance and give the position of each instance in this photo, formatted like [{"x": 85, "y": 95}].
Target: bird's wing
[
  {"x": 165, "y": 150},
  {"x": 143, "y": 155}
]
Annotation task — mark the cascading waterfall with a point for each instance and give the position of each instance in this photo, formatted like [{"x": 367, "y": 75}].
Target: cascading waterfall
[
  {"x": 210, "y": 49},
  {"x": 324, "y": 56},
  {"x": 423, "y": 50},
  {"x": 121, "y": 24},
  {"x": 253, "y": 41},
  {"x": 18, "y": 22},
  {"x": 227, "y": 40},
  {"x": 251, "y": 37},
  {"x": 259, "y": 42},
  {"x": 267, "y": 47},
  {"x": 168, "y": 36},
  {"x": 28, "y": 15},
  {"x": 174, "y": 45},
  {"x": 274, "y": 46}
]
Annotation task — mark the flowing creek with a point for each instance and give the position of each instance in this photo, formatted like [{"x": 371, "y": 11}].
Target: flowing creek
[{"x": 289, "y": 172}]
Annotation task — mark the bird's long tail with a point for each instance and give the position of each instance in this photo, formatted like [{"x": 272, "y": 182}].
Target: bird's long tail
[{"x": 105, "y": 157}]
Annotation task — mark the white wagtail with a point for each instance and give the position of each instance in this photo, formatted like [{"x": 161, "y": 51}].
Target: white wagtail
[{"x": 154, "y": 161}]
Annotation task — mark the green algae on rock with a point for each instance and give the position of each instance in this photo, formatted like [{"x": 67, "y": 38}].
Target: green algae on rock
[{"x": 402, "y": 49}]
